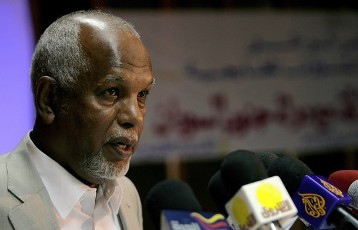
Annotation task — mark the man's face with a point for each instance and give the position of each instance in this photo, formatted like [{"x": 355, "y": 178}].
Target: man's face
[{"x": 104, "y": 117}]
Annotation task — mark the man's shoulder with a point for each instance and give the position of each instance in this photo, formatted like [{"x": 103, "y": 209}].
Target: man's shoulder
[
  {"x": 3, "y": 174},
  {"x": 129, "y": 189},
  {"x": 4, "y": 168},
  {"x": 3, "y": 158},
  {"x": 18, "y": 151},
  {"x": 126, "y": 183}
]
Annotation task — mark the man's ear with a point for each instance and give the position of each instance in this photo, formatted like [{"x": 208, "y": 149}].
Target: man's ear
[{"x": 45, "y": 93}]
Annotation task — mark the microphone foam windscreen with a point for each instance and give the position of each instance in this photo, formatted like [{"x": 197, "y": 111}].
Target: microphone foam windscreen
[
  {"x": 218, "y": 192},
  {"x": 267, "y": 158},
  {"x": 170, "y": 194},
  {"x": 291, "y": 170},
  {"x": 353, "y": 192},
  {"x": 239, "y": 168},
  {"x": 343, "y": 179}
]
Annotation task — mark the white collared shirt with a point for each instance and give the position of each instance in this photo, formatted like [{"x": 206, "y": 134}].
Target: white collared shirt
[{"x": 77, "y": 205}]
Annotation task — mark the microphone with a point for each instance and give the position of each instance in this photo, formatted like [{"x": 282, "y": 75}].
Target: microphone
[
  {"x": 347, "y": 181},
  {"x": 257, "y": 202},
  {"x": 218, "y": 192},
  {"x": 353, "y": 191},
  {"x": 320, "y": 204},
  {"x": 343, "y": 178},
  {"x": 221, "y": 194},
  {"x": 267, "y": 158},
  {"x": 241, "y": 167},
  {"x": 172, "y": 205}
]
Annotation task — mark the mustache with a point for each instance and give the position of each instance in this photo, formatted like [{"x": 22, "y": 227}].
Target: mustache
[{"x": 119, "y": 134}]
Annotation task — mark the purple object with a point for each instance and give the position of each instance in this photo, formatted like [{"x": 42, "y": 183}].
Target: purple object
[
  {"x": 16, "y": 47},
  {"x": 316, "y": 199}
]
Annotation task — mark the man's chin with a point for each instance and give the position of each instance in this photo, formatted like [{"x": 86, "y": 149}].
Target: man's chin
[
  {"x": 111, "y": 171},
  {"x": 95, "y": 179},
  {"x": 97, "y": 169}
]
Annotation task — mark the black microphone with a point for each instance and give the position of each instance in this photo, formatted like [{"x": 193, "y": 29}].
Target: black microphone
[
  {"x": 320, "y": 204},
  {"x": 291, "y": 171},
  {"x": 267, "y": 158},
  {"x": 241, "y": 167},
  {"x": 218, "y": 192},
  {"x": 170, "y": 194},
  {"x": 172, "y": 204},
  {"x": 256, "y": 201}
]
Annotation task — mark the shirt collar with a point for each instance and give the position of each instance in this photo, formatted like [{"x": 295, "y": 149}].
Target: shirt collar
[
  {"x": 64, "y": 189},
  {"x": 112, "y": 191}
]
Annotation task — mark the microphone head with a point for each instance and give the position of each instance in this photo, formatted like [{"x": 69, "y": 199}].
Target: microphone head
[
  {"x": 170, "y": 194},
  {"x": 347, "y": 181},
  {"x": 291, "y": 170},
  {"x": 267, "y": 158},
  {"x": 241, "y": 167},
  {"x": 353, "y": 192},
  {"x": 218, "y": 192},
  {"x": 343, "y": 179}
]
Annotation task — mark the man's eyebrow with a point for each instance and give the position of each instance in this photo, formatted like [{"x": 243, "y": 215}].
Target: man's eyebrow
[
  {"x": 111, "y": 78},
  {"x": 114, "y": 78}
]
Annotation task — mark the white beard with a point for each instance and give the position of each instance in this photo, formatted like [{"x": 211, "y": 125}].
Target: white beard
[{"x": 96, "y": 166}]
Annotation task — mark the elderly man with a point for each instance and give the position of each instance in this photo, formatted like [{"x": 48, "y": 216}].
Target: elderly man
[{"x": 91, "y": 76}]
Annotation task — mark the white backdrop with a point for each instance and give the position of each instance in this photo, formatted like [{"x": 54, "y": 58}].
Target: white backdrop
[{"x": 255, "y": 80}]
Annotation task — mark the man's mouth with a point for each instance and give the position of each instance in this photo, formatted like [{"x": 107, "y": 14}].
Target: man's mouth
[
  {"x": 123, "y": 148},
  {"x": 122, "y": 151}
]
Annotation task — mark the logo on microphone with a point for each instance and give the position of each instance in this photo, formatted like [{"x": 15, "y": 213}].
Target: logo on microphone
[
  {"x": 244, "y": 217},
  {"x": 271, "y": 199},
  {"x": 314, "y": 204},
  {"x": 332, "y": 188},
  {"x": 215, "y": 222},
  {"x": 183, "y": 220}
]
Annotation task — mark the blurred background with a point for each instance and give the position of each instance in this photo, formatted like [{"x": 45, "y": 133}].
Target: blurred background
[{"x": 262, "y": 75}]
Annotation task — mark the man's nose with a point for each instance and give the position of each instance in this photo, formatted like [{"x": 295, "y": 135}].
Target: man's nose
[{"x": 129, "y": 114}]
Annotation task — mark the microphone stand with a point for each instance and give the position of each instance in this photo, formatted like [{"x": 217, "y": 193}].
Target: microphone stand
[{"x": 343, "y": 219}]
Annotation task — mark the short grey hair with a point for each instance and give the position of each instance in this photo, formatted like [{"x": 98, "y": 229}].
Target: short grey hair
[{"x": 59, "y": 54}]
